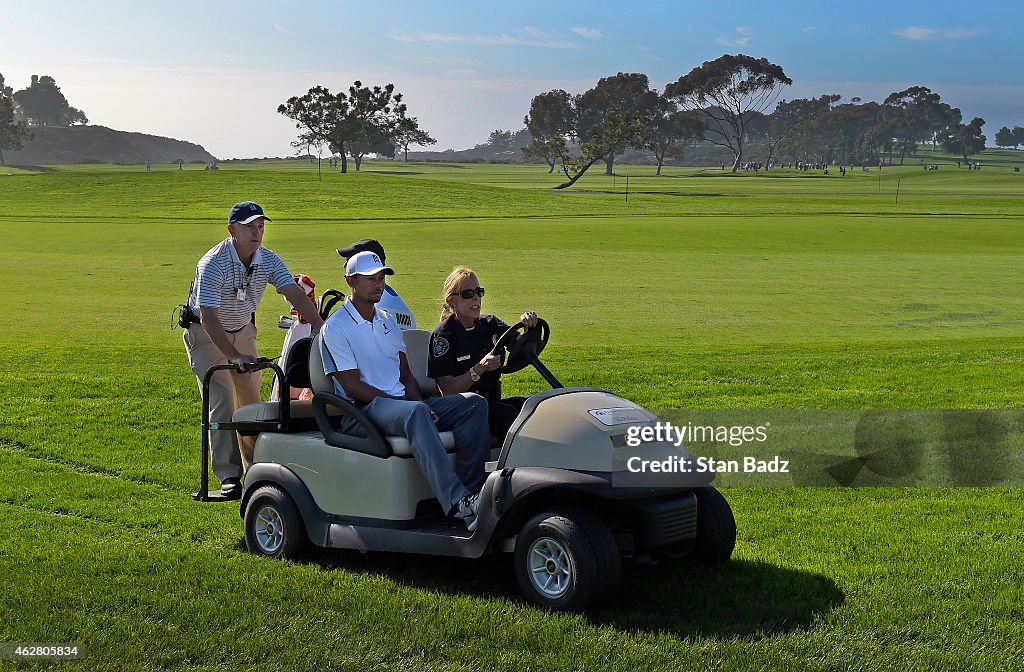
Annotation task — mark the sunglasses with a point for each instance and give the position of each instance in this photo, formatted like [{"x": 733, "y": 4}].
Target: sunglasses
[{"x": 470, "y": 293}]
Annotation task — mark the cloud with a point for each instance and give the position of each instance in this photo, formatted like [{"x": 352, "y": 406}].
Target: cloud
[
  {"x": 281, "y": 29},
  {"x": 593, "y": 33},
  {"x": 648, "y": 52},
  {"x": 744, "y": 33},
  {"x": 810, "y": 29},
  {"x": 518, "y": 37},
  {"x": 920, "y": 34}
]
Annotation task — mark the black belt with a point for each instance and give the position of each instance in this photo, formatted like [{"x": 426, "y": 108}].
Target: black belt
[{"x": 252, "y": 320}]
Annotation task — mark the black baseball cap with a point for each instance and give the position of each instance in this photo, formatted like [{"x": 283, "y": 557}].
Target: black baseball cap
[{"x": 364, "y": 245}]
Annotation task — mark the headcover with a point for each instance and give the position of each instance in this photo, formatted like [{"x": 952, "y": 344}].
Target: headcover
[{"x": 307, "y": 286}]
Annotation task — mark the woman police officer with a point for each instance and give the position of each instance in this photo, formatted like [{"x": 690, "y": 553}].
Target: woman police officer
[{"x": 460, "y": 349}]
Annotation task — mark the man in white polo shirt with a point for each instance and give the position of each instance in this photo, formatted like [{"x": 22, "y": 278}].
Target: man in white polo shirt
[
  {"x": 229, "y": 283},
  {"x": 369, "y": 366}
]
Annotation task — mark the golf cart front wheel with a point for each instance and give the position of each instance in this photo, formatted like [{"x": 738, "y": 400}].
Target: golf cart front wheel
[
  {"x": 716, "y": 532},
  {"x": 716, "y": 528},
  {"x": 563, "y": 560},
  {"x": 273, "y": 527}
]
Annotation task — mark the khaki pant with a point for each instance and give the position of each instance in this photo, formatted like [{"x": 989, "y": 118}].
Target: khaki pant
[{"x": 230, "y": 453}]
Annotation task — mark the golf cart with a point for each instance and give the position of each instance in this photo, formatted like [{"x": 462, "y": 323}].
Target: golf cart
[{"x": 551, "y": 496}]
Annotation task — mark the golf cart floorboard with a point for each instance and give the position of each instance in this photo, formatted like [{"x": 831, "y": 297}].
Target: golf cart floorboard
[{"x": 451, "y": 539}]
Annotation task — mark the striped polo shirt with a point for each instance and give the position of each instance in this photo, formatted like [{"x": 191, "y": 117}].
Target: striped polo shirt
[{"x": 222, "y": 281}]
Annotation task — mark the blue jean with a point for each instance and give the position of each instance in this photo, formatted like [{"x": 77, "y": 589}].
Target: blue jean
[{"x": 465, "y": 415}]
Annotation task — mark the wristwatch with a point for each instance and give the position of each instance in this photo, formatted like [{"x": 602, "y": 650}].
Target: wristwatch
[{"x": 473, "y": 375}]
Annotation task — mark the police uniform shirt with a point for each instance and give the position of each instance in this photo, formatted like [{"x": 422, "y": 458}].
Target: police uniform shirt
[
  {"x": 222, "y": 281},
  {"x": 454, "y": 349},
  {"x": 371, "y": 346}
]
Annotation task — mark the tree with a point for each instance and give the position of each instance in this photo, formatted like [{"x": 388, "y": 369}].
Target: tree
[
  {"x": 1007, "y": 138},
  {"x": 12, "y": 132},
  {"x": 615, "y": 131},
  {"x": 360, "y": 148},
  {"x": 410, "y": 133},
  {"x": 43, "y": 104},
  {"x": 964, "y": 139},
  {"x": 846, "y": 134},
  {"x": 788, "y": 117},
  {"x": 916, "y": 114},
  {"x": 500, "y": 139},
  {"x": 671, "y": 130},
  {"x": 551, "y": 116},
  {"x": 628, "y": 96},
  {"x": 338, "y": 120},
  {"x": 1018, "y": 135},
  {"x": 539, "y": 150},
  {"x": 725, "y": 92}
]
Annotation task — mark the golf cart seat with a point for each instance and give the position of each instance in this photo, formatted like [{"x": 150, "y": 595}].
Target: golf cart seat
[
  {"x": 359, "y": 432},
  {"x": 296, "y": 372}
]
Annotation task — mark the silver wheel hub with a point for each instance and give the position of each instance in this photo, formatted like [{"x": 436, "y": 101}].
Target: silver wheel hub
[
  {"x": 550, "y": 567},
  {"x": 269, "y": 529}
]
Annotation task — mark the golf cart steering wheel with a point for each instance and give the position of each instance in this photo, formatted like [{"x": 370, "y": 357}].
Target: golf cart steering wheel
[{"x": 522, "y": 349}]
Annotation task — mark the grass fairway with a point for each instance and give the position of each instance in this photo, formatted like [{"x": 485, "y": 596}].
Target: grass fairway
[{"x": 703, "y": 291}]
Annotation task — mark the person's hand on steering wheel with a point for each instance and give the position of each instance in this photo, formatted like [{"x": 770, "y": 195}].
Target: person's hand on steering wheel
[
  {"x": 529, "y": 319},
  {"x": 490, "y": 362}
]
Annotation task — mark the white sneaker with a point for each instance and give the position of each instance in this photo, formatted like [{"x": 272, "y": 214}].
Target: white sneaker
[{"x": 467, "y": 510}]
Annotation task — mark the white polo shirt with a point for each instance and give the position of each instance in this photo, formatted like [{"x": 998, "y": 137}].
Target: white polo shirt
[{"x": 372, "y": 347}]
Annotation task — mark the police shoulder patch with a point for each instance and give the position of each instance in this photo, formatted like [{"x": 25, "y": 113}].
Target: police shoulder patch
[{"x": 439, "y": 347}]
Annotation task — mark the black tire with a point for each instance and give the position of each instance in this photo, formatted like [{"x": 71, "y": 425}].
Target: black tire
[
  {"x": 273, "y": 526},
  {"x": 716, "y": 528},
  {"x": 590, "y": 560}
]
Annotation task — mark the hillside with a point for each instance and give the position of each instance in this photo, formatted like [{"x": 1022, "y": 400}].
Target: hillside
[{"x": 99, "y": 144}]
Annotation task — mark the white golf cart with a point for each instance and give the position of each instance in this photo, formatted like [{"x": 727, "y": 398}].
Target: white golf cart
[{"x": 553, "y": 495}]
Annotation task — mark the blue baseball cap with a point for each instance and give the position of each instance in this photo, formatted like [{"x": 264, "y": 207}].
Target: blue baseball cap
[{"x": 245, "y": 212}]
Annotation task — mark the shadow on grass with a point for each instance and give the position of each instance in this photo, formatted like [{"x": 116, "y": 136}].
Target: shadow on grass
[
  {"x": 394, "y": 172},
  {"x": 634, "y": 192},
  {"x": 31, "y": 168},
  {"x": 740, "y": 599}
]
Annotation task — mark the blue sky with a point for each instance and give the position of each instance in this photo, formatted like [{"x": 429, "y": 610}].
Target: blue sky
[{"x": 214, "y": 72}]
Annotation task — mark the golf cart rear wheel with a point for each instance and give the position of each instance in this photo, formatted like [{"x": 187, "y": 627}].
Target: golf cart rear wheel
[
  {"x": 563, "y": 560},
  {"x": 273, "y": 527}
]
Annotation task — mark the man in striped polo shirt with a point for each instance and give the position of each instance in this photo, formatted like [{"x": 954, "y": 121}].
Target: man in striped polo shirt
[{"x": 229, "y": 283}]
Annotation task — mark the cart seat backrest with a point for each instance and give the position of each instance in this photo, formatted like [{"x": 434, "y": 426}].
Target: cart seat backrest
[
  {"x": 296, "y": 364},
  {"x": 417, "y": 351},
  {"x": 318, "y": 380},
  {"x": 417, "y": 345}
]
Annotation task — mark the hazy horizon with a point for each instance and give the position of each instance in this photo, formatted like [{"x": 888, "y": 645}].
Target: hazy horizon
[{"x": 214, "y": 75}]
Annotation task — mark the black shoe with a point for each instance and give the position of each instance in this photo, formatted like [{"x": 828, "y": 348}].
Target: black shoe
[{"x": 231, "y": 488}]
